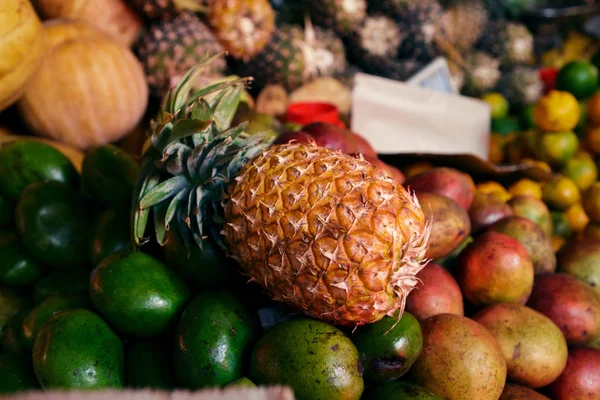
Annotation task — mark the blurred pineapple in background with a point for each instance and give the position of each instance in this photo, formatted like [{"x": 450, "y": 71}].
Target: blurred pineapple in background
[{"x": 576, "y": 46}]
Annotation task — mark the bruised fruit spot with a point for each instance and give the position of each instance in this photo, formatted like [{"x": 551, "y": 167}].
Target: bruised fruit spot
[
  {"x": 335, "y": 347},
  {"x": 388, "y": 364},
  {"x": 517, "y": 351}
]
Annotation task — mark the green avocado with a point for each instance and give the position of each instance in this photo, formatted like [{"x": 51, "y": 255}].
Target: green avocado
[
  {"x": 76, "y": 349},
  {"x": 44, "y": 310},
  {"x": 67, "y": 282},
  {"x": 26, "y": 161},
  {"x": 148, "y": 365},
  {"x": 398, "y": 391},
  {"x": 16, "y": 267},
  {"x": 110, "y": 234},
  {"x": 315, "y": 359},
  {"x": 7, "y": 213},
  {"x": 11, "y": 302},
  {"x": 388, "y": 347},
  {"x": 52, "y": 224},
  {"x": 213, "y": 337},
  {"x": 139, "y": 295},
  {"x": 108, "y": 175},
  {"x": 16, "y": 373}
]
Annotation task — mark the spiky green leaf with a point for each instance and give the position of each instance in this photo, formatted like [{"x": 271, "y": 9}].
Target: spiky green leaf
[{"x": 163, "y": 191}]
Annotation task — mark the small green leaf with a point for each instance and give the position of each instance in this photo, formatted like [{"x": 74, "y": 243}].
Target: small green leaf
[
  {"x": 225, "y": 107},
  {"x": 186, "y": 128},
  {"x": 160, "y": 229},
  {"x": 174, "y": 206},
  {"x": 201, "y": 110},
  {"x": 140, "y": 218},
  {"x": 163, "y": 191}
]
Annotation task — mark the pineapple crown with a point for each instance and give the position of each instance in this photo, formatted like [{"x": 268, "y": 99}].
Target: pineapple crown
[{"x": 190, "y": 158}]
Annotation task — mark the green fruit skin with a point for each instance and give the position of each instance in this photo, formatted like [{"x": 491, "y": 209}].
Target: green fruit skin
[
  {"x": 202, "y": 269},
  {"x": 76, "y": 349},
  {"x": 533, "y": 209},
  {"x": 110, "y": 235},
  {"x": 581, "y": 259},
  {"x": 561, "y": 225},
  {"x": 398, "y": 391},
  {"x": 16, "y": 373},
  {"x": 137, "y": 294},
  {"x": 108, "y": 175},
  {"x": 388, "y": 347},
  {"x": 16, "y": 267},
  {"x": 7, "y": 213},
  {"x": 242, "y": 382},
  {"x": 505, "y": 125},
  {"x": 44, "y": 310},
  {"x": 24, "y": 161},
  {"x": 579, "y": 85},
  {"x": 212, "y": 339},
  {"x": 65, "y": 282},
  {"x": 12, "y": 340},
  {"x": 51, "y": 222},
  {"x": 148, "y": 365},
  {"x": 315, "y": 359}
]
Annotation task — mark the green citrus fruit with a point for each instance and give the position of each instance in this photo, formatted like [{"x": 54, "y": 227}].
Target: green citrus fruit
[{"x": 580, "y": 78}]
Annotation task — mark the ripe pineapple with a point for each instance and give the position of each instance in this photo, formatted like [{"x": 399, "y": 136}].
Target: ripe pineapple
[
  {"x": 168, "y": 48},
  {"x": 295, "y": 56},
  {"x": 482, "y": 73},
  {"x": 341, "y": 16},
  {"x": 157, "y": 9},
  {"x": 322, "y": 231},
  {"x": 464, "y": 22},
  {"x": 509, "y": 41},
  {"x": 521, "y": 86},
  {"x": 375, "y": 41},
  {"x": 419, "y": 20},
  {"x": 243, "y": 27}
]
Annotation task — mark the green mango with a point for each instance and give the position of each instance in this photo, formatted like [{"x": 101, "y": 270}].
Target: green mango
[
  {"x": 398, "y": 391},
  {"x": 108, "y": 175},
  {"x": 76, "y": 349},
  {"x": 7, "y": 213},
  {"x": 16, "y": 373},
  {"x": 388, "y": 347},
  {"x": 12, "y": 340},
  {"x": 44, "y": 310},
  {"x": 139, "y": 295},
  {"x": 52, "y": 224},
  {"x": 26, "y": 161},
  {"x": 110, "y": 234},
  {"x": 315, "y": 359},
  {"x": 148, "y": 365},
  {"x": 11, "y": 302},
  {"x": 212, "y": 338},
  {"x": 16, "y": 267}
]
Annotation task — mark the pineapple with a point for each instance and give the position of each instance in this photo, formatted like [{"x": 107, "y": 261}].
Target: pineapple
[
  {"x": 243, "y": 27},
  {"x": 324, "y": 232},
  {"x": 419, "y": 20},
  {"x": 464, "y": 22},
  {"x": 157, "y": 9},
  {"x": 521, "y": 86},
  {"x": 509, "y": 41},
  {"x": 295, "y": 56},
  {"x": 482, "y": 73},
  {"x": 374, "y": 42},
  {"x": 341, "y": 16},
  {"x": 167, "y": 49}
]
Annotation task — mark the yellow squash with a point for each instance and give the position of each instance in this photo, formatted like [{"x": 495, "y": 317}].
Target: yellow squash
[{"x": 21, "y": 48}]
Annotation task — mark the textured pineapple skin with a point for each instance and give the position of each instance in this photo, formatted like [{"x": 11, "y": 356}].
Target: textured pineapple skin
[
  {"x": 243, "y": 27},
  {"x": 509, "y": 41},
  {"x": 464, "y": 23},
  {"x": 521, "y": 86},
  {"x": 341, "y": 16},
  {"x": 326, "y": 233},
  {"x": 171, "y": 47}
]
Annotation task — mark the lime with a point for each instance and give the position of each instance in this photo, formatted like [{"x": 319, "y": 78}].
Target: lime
[
  {"x": 561, "y": 225},
  {"x": 579, "y": 78},
  {"x": 505, "y": 125},
  {"x": 527, "y": 116},
  {"x": 498, "y": 104}
]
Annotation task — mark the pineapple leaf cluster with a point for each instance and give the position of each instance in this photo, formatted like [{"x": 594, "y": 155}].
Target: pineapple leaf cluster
[{"x": 193, "y": 155}]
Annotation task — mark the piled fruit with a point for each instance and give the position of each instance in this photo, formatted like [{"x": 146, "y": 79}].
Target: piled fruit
[{"x": 159, "y": 273}]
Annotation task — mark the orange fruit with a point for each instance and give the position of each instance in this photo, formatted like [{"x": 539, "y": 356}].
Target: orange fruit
[
  {"x": 526, "y": 187},
  {"x": 496, "y": 154},
  {"x": 582, "y": 169},
  {"x": 560, "y": 193},
  {"x": 557, "y": 111},
  {"x": 591, "y": 202},
  {"x": 416, "y": 168},
  {"x": 557, "y": 242},
  {"x": 577, "y": 217},
  {"x": 493, "y": 188},
  {"x": 592, "y": 137}
]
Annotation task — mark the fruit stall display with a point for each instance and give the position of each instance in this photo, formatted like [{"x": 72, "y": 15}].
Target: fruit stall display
[{"x": 163, "y": 226}]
